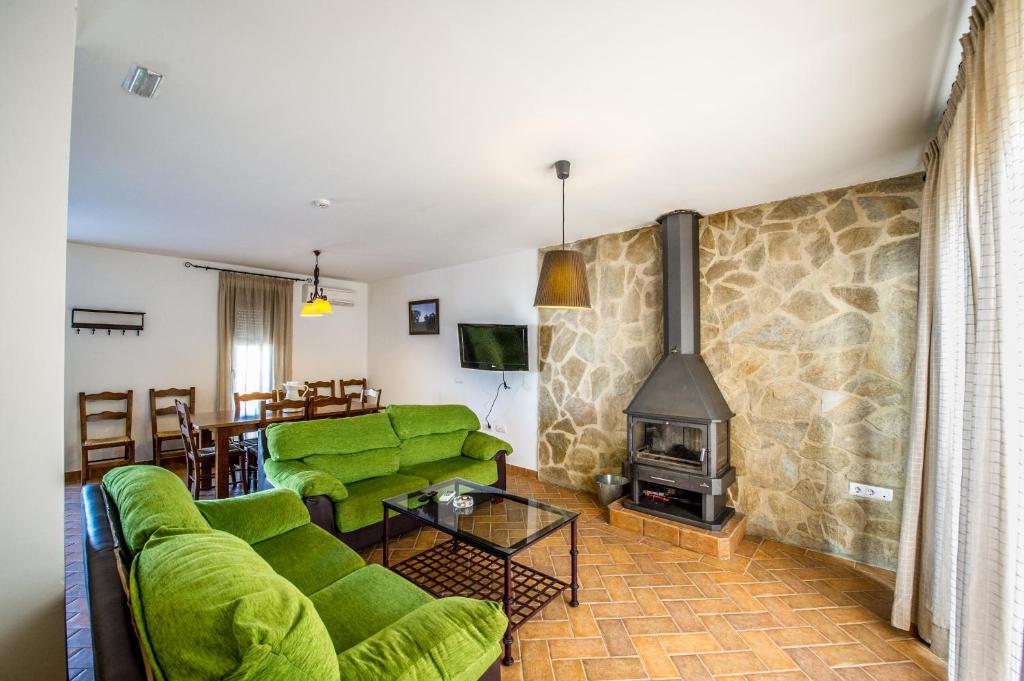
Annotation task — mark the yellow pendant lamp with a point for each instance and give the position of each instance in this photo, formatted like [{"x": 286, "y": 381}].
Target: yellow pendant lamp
[
  {"x": 563, "y": 273},
  {"x": 317, "y": 305}
]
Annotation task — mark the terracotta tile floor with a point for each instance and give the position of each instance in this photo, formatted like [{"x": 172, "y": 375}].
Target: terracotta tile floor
[{"x": 649, "y": 610}]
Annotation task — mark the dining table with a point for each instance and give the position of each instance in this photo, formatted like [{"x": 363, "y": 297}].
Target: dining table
[{"x": 224, "y": 424}]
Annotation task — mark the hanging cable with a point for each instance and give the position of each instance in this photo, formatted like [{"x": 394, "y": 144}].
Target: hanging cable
[
  {"x": 563, "y": 215},
  {"x": 504, "y": 384}
]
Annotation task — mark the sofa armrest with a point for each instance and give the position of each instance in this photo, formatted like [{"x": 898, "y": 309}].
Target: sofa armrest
[
  {"x": 321, "y": 512},
  {"x": 484, "y": 446},
  {"x": 256, "y": 517},
  {"x": 304, "y": 480},
  {"x": 444, "y": 639}
]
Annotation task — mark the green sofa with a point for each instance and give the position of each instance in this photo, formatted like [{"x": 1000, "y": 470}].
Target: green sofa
[
  {"x": 344, "y": 467},
  {"x": 248, "y": 588}
]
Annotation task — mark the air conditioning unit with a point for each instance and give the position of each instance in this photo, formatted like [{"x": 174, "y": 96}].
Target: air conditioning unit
[{"x": 337, "y": 296}]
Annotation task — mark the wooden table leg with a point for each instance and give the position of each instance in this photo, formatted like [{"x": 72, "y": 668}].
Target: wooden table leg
[
  {"x": 573, "y": 553},
  {"x": 220, "y": 465},
  {"x": 384, "y": 559},
  {"x": 507, "y": 600}
]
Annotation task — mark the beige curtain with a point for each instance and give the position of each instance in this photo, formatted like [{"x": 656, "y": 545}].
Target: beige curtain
[
  {"x": 960, "y": 577},
  {"x": 254, "y": 334}
]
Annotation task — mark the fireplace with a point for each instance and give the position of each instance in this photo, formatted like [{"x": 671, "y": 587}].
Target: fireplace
[{"x": 678, "y": 422}]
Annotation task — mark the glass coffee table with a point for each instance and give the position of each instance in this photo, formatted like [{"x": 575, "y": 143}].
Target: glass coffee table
[{"x": 477, "y": 561}]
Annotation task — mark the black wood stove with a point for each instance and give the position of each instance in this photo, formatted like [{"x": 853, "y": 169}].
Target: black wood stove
[{"x": 678, "y": 421}]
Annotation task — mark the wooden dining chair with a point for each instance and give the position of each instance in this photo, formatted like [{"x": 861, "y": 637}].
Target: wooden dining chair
[
  {"x": 200, "y": 461},
  {"x": 313, "y": 388},
  {"x": 249, "y": 442},
  {"x": 330, "y": 407},
  {"x": 123, "y": 441},
  {"x": 156, "y": 412},
  {"x": 242, "y": 398},
  {"x": 353, "y": 386},
  {"x": 283, "y": 410}
]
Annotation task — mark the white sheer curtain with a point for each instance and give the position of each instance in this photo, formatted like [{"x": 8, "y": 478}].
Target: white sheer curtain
[{"x": 960, "y": 577}]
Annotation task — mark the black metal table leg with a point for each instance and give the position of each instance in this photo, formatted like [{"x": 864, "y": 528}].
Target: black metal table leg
[
  {"x": 507, "y": 660},
  {"x": 573, "y": 553},
  {"x": 384, "y": 560}
]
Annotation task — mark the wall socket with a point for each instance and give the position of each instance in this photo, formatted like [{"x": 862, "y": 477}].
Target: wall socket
[
  {"x": 859, "y": 489},
  {"x": 500, "y": 428}
]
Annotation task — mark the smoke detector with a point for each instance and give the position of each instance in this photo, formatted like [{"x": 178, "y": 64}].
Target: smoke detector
[
  {"x": 322, "y": 203},
  {"x": 142, "y": 82}
]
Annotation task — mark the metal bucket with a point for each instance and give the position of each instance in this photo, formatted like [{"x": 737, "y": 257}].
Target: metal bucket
[{"x": 610, "y": 488}]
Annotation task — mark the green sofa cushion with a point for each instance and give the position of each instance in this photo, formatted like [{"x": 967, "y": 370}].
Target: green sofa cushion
[
  {"x": 431, "y": 447},
  {"x": 372, "y": 463},
  {"x": 364, "y": 602},
  {"x": 309, "y": 557},
  {"x": 483, "y": 472},
  {"x": 211, "y": 608},
  {"x": 256, "y": 517},
  {"x": 455, "y": 639},
  {"x": 304, "y": 480},
  {"x": 148, "y": 498},
  {"x": 299, "y": 439},
  {"x": 483, "y": 446},
  {"x": 413, "y": 420},
  {"x": 363, "y": 505}
]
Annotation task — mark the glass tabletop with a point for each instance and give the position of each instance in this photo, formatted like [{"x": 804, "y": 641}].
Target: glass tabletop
[{"x": 497, "y": 521}]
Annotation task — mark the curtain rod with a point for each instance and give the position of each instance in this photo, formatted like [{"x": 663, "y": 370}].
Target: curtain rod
[{"x": 255, "y": 274}]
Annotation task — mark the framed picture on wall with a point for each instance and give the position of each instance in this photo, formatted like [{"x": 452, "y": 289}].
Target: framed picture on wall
[{"x": 424, "y": 317}]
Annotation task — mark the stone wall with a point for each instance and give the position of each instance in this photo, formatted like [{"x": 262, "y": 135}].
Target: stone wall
[
  {"x": 808, "y": 324},
  {"x": 593, "y": 362},
  {"x": 808, "y": 320}
]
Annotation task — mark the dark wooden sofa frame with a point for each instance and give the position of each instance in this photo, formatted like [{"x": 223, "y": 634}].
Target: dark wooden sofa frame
[
  {"x": 321, "y": 508},
  {"x": 117, "y": 654}
]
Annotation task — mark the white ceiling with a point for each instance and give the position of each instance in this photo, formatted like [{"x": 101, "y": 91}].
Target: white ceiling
[{"x": 433, "y": 125}]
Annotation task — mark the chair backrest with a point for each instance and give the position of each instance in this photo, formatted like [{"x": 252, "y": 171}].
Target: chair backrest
[
  {"x": 156, "y": 412},
  {"x": 252, "y": 397},
  {"x": 283, "y": 410},
  {"x": 85, "y": 417},
  {"x": 335, "y": 406},
  {"x": 313, "y": 388},
  {"x": 353, "y": 386},
  {"x": 372, "y": 394},
  {"x": 185, "y": 427}
]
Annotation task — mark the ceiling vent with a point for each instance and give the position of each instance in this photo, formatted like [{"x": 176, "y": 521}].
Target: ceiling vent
[{"x": 142, "y": 82}]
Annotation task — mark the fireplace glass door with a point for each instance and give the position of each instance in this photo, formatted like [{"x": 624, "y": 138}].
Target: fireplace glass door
[{"x": 675, "y": 444}]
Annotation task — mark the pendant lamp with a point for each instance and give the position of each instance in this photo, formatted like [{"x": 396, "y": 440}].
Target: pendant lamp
[
  {"x": 563, "y": 273},
  {"x": 317, "y": 305}
]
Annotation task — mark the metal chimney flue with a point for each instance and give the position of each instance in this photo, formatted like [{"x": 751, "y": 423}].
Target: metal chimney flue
[{"x": 679, "y": 266}]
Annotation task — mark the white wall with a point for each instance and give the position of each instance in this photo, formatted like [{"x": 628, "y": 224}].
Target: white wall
[
  {"x": 37, "y": 42},
  {"x": 179, "y": 346},
  {"x": 425, "y": 369}
]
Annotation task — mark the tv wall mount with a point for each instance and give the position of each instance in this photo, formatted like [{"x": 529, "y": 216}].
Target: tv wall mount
[{"x": 108, "y": 320}]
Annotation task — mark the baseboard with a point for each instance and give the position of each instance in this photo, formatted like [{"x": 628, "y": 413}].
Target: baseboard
[{"x": 521, "y": 472}]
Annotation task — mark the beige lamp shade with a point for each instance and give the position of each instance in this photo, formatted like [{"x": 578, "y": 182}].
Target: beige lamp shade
[{"x": 563, "y": 281}]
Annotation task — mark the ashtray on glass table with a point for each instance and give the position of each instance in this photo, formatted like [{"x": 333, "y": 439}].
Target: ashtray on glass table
[{"x": 462, "y": 503}]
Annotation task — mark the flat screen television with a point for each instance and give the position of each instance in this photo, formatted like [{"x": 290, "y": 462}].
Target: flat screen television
[{"x": 494, "y": 347}]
